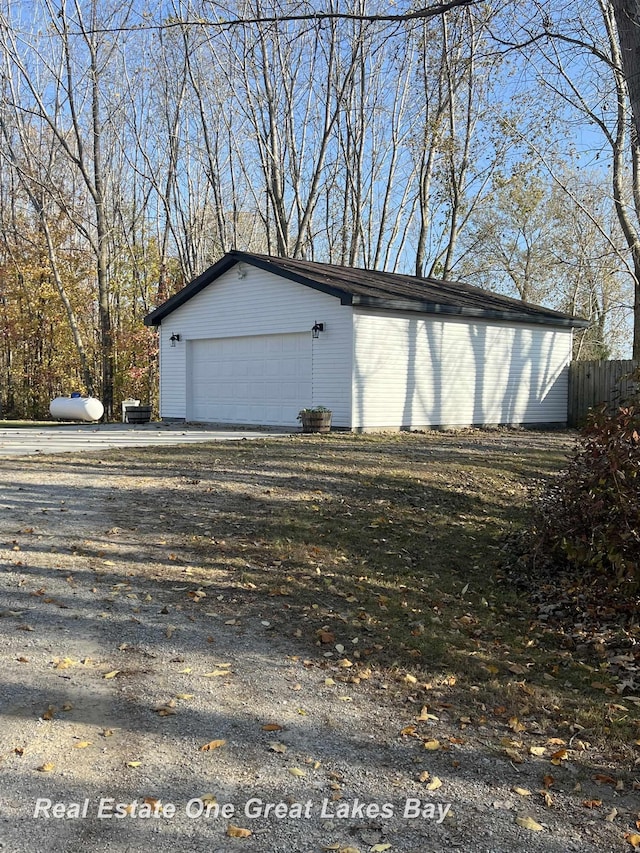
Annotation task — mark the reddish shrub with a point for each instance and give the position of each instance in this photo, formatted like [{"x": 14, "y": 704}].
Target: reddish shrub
[{"x": 589, "y": 520}]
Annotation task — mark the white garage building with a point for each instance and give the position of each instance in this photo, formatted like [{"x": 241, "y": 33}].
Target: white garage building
[{"x": 254, "y": 339}]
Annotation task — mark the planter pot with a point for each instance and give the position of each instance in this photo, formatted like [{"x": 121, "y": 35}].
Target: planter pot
[
  {"x": 138, "y": 414},
  {"x": 315, "y": 421}
]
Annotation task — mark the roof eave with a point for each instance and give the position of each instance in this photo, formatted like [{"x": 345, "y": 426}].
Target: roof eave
[
  {"x": 467, "y": 311},
  {"x": 156, "y": 317},
  {"x": 280, "y": 270},
  {"x": 229, "y": 260},
  {"x": 278, "y": 267}
]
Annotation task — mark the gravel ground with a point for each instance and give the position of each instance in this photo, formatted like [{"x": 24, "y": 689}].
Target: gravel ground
[{"x": 117, "y": 669}]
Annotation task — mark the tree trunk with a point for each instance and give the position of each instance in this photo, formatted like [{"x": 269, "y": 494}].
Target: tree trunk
[{"x": 627, "y": 15}]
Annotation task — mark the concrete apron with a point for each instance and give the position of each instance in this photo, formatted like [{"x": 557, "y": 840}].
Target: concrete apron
[{"x": 92, "y": 437}]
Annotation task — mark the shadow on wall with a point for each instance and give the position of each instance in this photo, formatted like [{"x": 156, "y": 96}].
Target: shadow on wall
[{"x": 413, "y": 372}]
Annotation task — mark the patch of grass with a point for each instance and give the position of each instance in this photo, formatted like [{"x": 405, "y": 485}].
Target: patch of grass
[
  {"x": 390, "y": 548},
  {"x": 6, "y": 424}
]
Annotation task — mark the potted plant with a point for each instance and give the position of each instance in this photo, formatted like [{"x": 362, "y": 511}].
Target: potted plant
[{"x": 317, "y": 419}]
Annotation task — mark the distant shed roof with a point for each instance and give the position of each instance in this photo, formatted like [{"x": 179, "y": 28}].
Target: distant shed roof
[{"x": 374, "y": 289}]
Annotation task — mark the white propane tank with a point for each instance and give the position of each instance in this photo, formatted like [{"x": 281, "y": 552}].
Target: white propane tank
[{"x": 76, "y": 409}]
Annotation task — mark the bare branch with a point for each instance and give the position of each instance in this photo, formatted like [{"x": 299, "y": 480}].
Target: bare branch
[{"x": 317, "y": 17}]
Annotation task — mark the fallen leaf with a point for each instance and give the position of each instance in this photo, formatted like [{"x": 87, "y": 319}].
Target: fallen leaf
[
  {"x": 432, "y": 744},
  {"x": 529, "y": 823},
  {"x": 524, "y": 792},
  {"x": 604, "y": 779},
  {"x": 591, "y": 804},
  {"x": 237, "y": 832},
  {"x": 559, "y": 756},
  {"x": 380, "y": 848},
  {"x": 83, "y": 744},
  {"x": 434, "y": 784},
  {"x": 134, "y": 763},
  {"x": 424, "y": 715},
  {"x": 537, "y": 750},
  {"x": 111, "y": 674},
  {"x": 63, "y": 663},
  {"x": 277, "y": 747},
  {"x": 272, "y": 727},
  {"x": 295, "y": 771},
  {"x": 515, "y": 756},
  {"x": 213, "y": 744},
  {"x": 216, "y": 673},
  {"x": 633, "y": 838},
  {"x": 46, "y": 768},
  {"x": 326, "y": 637},
  {"x": 197, "y": 594}
]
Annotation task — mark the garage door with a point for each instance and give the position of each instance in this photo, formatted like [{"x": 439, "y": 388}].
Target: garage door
[{"x": 262, "y": 379}]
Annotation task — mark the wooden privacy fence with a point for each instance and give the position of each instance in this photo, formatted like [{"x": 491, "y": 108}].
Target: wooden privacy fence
[{"x": 595, "y": 382}]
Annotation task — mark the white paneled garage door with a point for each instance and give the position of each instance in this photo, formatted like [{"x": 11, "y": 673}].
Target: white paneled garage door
[{"x": 262, "y": 379}]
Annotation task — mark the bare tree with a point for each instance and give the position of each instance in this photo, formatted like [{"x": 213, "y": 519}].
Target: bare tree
[
  {"x": 66, "y": 95},
  {"x": 580, "y": 55},
  {"x": 24, "y": 153}
]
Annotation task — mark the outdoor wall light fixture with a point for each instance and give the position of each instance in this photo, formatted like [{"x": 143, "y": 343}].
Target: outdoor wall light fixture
[
  {"x": 174, "y": 339},
  {"x": 316, "y": 329}
]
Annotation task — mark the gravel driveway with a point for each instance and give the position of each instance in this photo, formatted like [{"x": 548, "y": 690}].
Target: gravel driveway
[{"x": 144, "y": 706}]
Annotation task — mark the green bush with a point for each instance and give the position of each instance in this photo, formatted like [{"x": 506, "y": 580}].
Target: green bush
[{"x": 589, "y": 520}]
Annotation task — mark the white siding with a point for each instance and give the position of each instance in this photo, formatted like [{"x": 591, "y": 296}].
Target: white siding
[
  {"x": 416, "y": 371},
  {"x": 261, "y": 304}
]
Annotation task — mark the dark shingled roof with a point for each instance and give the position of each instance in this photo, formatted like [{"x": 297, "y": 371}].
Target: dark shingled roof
[{"x": 373, "y": 289}]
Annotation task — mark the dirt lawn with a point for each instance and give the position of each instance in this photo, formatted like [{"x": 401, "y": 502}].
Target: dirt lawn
[{"x": 293, "y": 644}]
